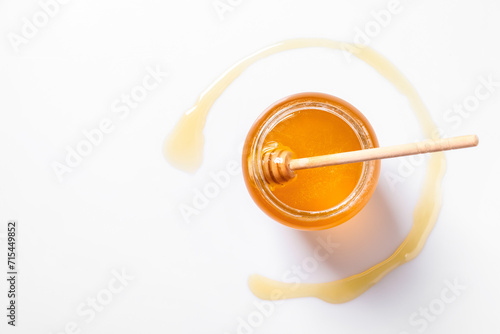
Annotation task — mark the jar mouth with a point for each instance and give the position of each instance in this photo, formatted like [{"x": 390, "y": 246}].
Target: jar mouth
[{"x": 286, "y": 110}]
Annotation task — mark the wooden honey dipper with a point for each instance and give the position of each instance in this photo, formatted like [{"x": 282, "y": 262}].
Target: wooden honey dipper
[{"x": 279, "y": 167}]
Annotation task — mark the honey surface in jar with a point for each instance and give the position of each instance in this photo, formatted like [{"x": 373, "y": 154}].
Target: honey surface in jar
[{"x": 310, "y": 133}]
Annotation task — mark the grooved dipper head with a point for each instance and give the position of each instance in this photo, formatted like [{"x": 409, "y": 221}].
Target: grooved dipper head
[{"x": 276, "y": 166}]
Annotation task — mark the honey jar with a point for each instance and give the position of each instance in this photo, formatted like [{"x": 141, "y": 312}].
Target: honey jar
[{"x": 311, "y": 124}]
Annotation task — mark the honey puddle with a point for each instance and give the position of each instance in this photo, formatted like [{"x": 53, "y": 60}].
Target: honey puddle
[{"x": 184, "y": 149}]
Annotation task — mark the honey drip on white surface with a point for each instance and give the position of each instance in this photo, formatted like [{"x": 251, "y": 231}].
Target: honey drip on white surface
[{"x": 184, "y": 149}]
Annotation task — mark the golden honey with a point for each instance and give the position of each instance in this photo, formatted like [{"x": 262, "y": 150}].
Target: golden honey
[{"x": 311, "y": 124}]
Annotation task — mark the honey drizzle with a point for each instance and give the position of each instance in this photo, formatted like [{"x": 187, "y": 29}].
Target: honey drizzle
[{"x": 184, "y": 149}]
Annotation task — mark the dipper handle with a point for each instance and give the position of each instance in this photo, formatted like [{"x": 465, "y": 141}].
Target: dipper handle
[
  {"x": 427, "y": 146},
  {"x": 279, "y": 167}
]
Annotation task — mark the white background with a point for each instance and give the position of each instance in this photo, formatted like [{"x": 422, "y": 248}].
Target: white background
[{"x": 119, "y": 209}]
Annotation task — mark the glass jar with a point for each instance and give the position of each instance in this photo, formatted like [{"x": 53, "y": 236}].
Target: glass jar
[{"x": 296, "y": 205}]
